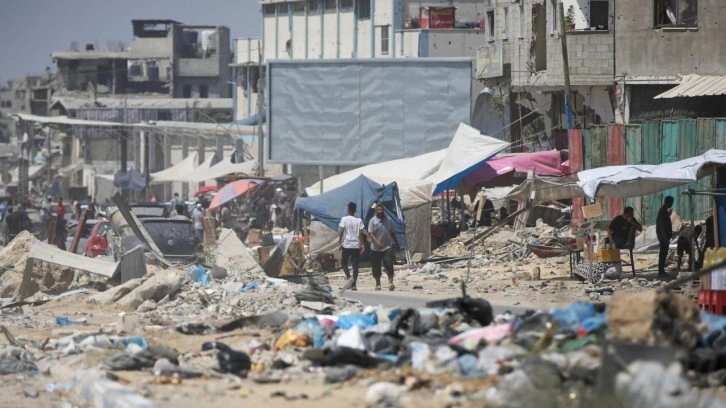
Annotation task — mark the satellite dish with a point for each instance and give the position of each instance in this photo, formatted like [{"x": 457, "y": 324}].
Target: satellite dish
[{"x": 7, "y": 178}]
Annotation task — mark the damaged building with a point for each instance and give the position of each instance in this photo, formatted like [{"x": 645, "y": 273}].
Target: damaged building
[{"x": 164, "y": 57}]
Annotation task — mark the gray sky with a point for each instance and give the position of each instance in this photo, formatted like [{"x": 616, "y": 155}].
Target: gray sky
[{"x": 31, "y": 29}]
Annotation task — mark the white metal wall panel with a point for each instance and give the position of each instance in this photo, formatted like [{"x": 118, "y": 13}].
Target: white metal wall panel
[{"x": 354, "y": 112}]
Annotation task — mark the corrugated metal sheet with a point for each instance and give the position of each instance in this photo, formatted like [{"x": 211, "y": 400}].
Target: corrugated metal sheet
[
  {"x": 586, "y": 135},
  {"x": 706, "y": 132},
  {"x": 697, "y": 85},
  {"x": 651, "y": 136},
  {"x": 670, "y": 142},
  {"x": 720, "y": 133},
  {"x": 599, "y": 146},
  {"x": 634, "y": 155},
  {"x": 687, "y": 140},
  {"x": 575, "y": 142},
  {"x": 616, "y": 156}
]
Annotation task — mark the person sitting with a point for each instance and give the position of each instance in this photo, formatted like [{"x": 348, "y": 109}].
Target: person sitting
[{"x": 623, "y": 228}]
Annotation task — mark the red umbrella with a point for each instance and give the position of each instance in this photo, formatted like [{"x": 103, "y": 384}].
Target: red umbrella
[
  {"x": 205, "y": 189},
  {"x": 231, "y": 191}
]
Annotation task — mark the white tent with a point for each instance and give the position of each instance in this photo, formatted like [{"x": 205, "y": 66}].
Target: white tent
[
  {"x": 417, "y": 177},
  {"x": 226, "y": 167},
  {"x": 638, "y": 180},
  {"x": 187, "y": 166},
  {"x": 468, "y": 150}
]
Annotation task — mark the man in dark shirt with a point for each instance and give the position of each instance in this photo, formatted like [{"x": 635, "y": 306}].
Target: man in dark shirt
[
  {"x": 623, "y": 228},
  {"x": 17, "y": 221},
  {"x": 710, "y": 236},
  {"x": 664, "y": 231},
  {"x": 91, "y": 214}
]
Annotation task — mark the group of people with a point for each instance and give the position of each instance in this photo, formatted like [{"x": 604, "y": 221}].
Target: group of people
[
  {"x": 352, "y": 236},
  {"x": 265, "y": 207},
  {"x": 623, "y": 228}
]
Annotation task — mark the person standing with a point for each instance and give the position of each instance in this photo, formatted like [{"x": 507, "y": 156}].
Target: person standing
[
  {"x": 664, "y": 231},
  {"x": 197, "y": 217},
  {"x": 91, "y": 212},
  {"x": 225, "y": 216},
  {"x": 384, "y": 243},
  {"x": 350, "y": 238}
]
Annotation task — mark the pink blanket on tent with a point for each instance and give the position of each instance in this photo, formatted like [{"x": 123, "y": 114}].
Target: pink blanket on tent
[{"x": 543, "y": 163}]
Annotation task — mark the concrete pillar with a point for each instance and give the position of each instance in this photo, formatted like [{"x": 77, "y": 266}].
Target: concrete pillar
[
  {"x": 220, "y": 147},
  {"x": 185, "y": 154},
  {"x": 167, "y": 162},
  {"x": 200, "y": 153},
  {"x": 137, "y": 136},
  {"x": 239, "y": 147}
]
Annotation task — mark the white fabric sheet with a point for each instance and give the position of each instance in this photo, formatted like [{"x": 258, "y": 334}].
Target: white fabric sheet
[{"x": 638, "y": 180}]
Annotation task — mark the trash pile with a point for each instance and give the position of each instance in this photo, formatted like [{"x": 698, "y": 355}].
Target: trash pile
[{"x": 455, "y": 349}]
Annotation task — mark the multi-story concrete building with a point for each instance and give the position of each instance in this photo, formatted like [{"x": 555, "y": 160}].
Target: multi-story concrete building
[
  {"x": 27, "y": 95},
  {"x": 523, "y": 61},
  {"x": 343, "y": 29},
  {"x": 659, "y": 42},
  {"x": 165, "y": 57}
]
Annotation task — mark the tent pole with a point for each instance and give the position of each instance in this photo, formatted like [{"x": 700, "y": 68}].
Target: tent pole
[
  {"x": 320, "y": 175},
  {"x": 692, "y": 238},
  {"x": 399, "y": 212}
]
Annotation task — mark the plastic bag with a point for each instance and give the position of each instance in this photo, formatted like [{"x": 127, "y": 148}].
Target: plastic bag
[
  {"x": 292, "y": 337},
  {"x": 312, "y": 329},
  {"x": 363, "y": 321},
  {"x": 580, "y": 318},
  {"x": 198, "y": 274}
]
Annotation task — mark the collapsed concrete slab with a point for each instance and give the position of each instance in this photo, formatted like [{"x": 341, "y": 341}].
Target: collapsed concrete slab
[
  {"x": 62, "y": 263},
  {"x": 166, "y": 282}
]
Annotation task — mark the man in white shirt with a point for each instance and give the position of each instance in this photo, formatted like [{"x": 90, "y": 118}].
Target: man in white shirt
[
  {"x": 350, "y": 238},
  {"x": 197, "y": 217}
]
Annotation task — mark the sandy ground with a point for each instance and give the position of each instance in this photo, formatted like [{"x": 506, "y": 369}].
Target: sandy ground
[
  {"x": 307, "y": 390},
  {"x": 502, "y": 284}
]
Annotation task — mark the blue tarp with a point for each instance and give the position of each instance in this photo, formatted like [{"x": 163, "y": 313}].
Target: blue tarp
[
  {"x": 331, "y": 206},
  {"x": 130, "y": 180}
]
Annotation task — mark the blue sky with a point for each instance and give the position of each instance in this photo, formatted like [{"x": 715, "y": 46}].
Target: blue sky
[{"x": 31, "y": 29}]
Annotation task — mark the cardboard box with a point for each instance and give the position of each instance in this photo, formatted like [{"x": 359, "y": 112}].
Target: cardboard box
[
  {"x": 607, "y": 255},
  {"x": 254, "y": 237}
]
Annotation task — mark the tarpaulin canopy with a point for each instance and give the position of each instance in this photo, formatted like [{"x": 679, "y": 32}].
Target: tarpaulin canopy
[
  {"x": 330, "y": 207},
  {"x": 468, "y": 150},
  {"x": 231, "y": 191},
  {"x": 227, "y": 167},
  {"x": 186, "y": 166},
  {"x": 696, "y": 85},
  {"x": 638, "y": 180},
  {"x": 546, "y": 163},
  {"x": 130, "y": 180},
  {"x": 541, "y": 189},
  {"x": 409, "y": 174}
]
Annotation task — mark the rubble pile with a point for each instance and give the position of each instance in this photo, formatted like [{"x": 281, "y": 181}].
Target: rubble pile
[
  {"x": 45, "y": 277},
  {"x": 223, "y": 326},
  {"x": 456, "y": 349}
]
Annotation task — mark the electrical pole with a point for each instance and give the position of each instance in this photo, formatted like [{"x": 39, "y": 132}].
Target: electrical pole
[
  {"x": 565, "y": 60},
  {"x": 260, "y": 107}
]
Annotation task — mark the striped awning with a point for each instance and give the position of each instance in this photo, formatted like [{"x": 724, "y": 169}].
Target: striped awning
[{"x": 697, "y": 85}]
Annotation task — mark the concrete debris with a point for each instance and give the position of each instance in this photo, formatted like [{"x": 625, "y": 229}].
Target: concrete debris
[
  {"x": 163, "y": 283},
  {"x": 238, "y": 331}
]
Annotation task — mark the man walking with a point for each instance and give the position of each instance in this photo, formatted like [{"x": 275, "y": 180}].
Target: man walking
[
  {"x": 197, "y": 217},
  {"x": 350, "y": 238},
  {"x": 664, "y": 231},
  {"x": 384, "y": 243}
]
